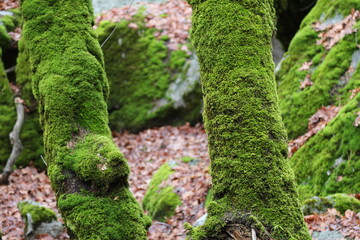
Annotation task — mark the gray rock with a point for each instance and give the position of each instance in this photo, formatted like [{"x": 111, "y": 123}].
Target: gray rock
[
  {"x": 102, "y": 5},
  {"x": 201, "y": 220},
  {"x": 327, "y": 235}
]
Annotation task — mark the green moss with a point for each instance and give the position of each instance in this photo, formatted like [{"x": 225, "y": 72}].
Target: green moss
[
  {"x": 117, "y": 216},
  {"x": 7, "y": 115},
  {"x": 329, "y": 162},
  {"x": 341, "y": 202},
  {"x": 187, "y": 159},
  {"x": 8, "y": 23},
  {"x": 325, "y": 9},
  {"x": 4, "y": 38},
  {"x": 39, "y": 214},
  {"x": 88, "y": 173},
  {"x": 177, "y": 59},
  {"x": 96, "y": 160},
  {"x": 297, "y": 105},
  {"x": 31, "y": 133},
  {"x": 31, "y": 138},
  {"x": 161, "y": 202},
  {"x": 240, "y": 101},
  {"x": 140, "y": 73}
]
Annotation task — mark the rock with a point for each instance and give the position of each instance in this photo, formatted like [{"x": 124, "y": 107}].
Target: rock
[
  {"x": 200, "y": 221},
  {"x": 328, "y": 162},
  {"x": 327, "y": 235},
  {"x": 151, "y": 83},
  {"x": 341, "y": 202},
  {"x": 39, "y": 220}
]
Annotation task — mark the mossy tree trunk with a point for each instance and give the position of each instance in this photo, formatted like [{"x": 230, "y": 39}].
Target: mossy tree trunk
[
  {"x": 253, "y": 184},
  {"x": 87, "y": 171}
]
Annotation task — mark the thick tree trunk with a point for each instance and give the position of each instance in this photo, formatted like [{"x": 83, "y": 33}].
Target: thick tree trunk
[
  {"x": 87, "y": 171},
  {"x": 253, "y": 184}
]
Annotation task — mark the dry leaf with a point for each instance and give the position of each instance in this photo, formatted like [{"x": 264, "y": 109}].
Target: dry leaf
[
  {"x": 306, "y": 66},
  {"x": 306, "y": 83},
  {"x": 333, "y": 33}
]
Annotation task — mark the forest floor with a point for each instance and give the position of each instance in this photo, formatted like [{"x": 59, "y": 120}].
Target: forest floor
[{"x": 146, "y": 152}]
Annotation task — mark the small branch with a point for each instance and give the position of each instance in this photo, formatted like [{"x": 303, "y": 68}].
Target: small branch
[
  {"x": 9, "y": 70},
  {"x": 15, "y": 141},
  {"x": 253, "y": 234}
]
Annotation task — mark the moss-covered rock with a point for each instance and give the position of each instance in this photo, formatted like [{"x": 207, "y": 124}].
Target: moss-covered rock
[
  {"x": 329, "y": 162},
  {"x": 39, "y": 220},
  {"x": 39, "y": 214},
  {"x": 150, "y": 84},
  {"x": 341, "y": 202},
  {"x": 328, "y": 67},
  {"x": 31, "y": 134},
  {"x": 161, "y": 201}
]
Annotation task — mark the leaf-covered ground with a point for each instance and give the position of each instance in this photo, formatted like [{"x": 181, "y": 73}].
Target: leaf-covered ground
[{"x": 146, "y": 152}]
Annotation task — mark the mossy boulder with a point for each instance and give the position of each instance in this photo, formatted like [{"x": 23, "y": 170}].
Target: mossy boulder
[
  {"x": 328, "y": 67},
  {"x": 341, "y": 202},
  {"x": 38, "y": 213},
  {"x": 39, "y": 220},
  {"x": 150, "y": 84},
  {"x": 329, "y": 162},
  {"x": 161, "y": 201}
]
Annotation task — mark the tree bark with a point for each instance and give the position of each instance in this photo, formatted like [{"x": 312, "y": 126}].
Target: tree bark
[
  {"x": 253, "y": 184},
  {"x": 87, "y": 171}
]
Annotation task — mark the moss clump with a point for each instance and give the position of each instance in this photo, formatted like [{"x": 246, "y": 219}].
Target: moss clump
[
  {"x": 233, "y": 43},
  {"x": 97, "y": 161},
  {"x": 104, "y": 218},
  {"x": 187, "y": 159},
  {"x": 88, "y": 173},
  {"x": 140, "y": 69},
  {"x": 297, "y": 105},
  {"x": 329, "y": 162},
  {"x": 39, "y": 214},
  {"x": 161, "y": 202},
  {"x": 341, "y": 202},
  {"x": 4, "y": 38}
]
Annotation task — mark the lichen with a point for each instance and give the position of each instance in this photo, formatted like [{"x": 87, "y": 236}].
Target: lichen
[
  {"x": 160, "y": 202},
  {"x": 88, "y": 173},
  {"x": 247, "y": 139}
]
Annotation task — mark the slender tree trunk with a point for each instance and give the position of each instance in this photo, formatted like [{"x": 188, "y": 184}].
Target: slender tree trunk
[
  {"x": 253, "y": 184},
  {"x": 15, "y": 141},
  {"x": 87, "y": 171}
]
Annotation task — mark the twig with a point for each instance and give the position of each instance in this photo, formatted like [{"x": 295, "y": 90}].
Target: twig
[
  {"x": 9, "y": 70},
  {"x": 15, "y": 141},
  {"x": 116, "y": 26},
  {"x": 253, "y": 234}
]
